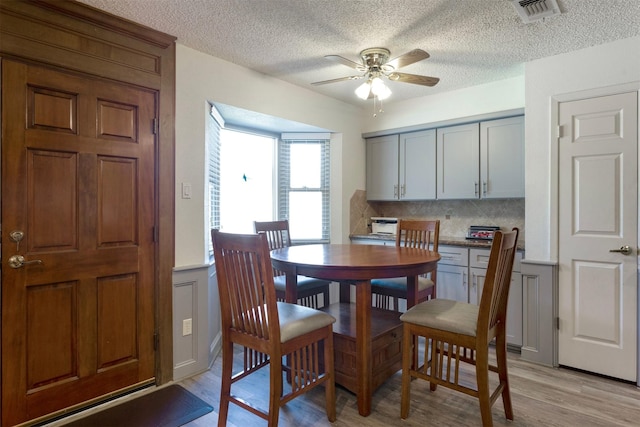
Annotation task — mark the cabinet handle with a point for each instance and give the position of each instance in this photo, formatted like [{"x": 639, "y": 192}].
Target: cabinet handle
[
  {"x": 395, "y": 191},
  {"x": 484, "y": 188},
  {"x": 404, "y": 190},
  {"x": 475, "y": 188}
]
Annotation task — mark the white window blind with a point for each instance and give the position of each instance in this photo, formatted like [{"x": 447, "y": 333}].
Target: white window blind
[
  {"x": 214, "y": 124},
  {"x": 303, "y": 186}
]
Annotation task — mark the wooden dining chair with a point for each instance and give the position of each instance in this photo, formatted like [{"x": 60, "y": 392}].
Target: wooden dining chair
[
  {"x": 269, "y": 330},
  {"x": 309, "y": 288},
  {"x": 457, "y": 332},
  {"x": 415, "y": 234}
]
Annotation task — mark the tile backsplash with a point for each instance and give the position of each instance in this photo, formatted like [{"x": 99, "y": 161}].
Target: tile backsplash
[{"x": 455, "y": 215}]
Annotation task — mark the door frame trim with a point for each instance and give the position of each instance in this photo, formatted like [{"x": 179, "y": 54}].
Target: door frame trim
[{"x": 554, "y": 178}]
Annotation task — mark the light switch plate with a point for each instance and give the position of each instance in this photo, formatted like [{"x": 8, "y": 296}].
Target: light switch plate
[
  {"x": 186, "y": 190},
  {"x": 187, "y": 325}
]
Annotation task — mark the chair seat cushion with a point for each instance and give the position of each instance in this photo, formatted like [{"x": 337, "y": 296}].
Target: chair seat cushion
[
  {"x": 297, "y": 320},
  {"x": 444, "y": 314},
  {"x": 304, "y": 283},
  {"x": 400, "y": 283}
]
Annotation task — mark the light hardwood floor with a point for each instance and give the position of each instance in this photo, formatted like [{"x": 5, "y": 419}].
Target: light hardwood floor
[{"x": 541, "y": 396}]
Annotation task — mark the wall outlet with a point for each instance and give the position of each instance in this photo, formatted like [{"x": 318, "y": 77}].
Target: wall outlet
[{"x": 187, "y": 325}]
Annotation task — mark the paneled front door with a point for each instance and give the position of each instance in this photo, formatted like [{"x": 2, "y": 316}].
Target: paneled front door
[{"x": 77, "y": 239}]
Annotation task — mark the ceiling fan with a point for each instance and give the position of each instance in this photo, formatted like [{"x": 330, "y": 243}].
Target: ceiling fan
[{"x": 375, "y": 65}]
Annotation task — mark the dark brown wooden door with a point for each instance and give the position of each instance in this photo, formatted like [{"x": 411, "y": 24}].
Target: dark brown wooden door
[{"x": 78, "y": 182}]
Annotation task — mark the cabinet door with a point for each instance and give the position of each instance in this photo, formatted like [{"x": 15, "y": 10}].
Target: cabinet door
[
  {"x": 514, "y": 305},
  {"x": 418, "y": 165},
  {"x": 452, "y": 283},
  {"x": 514, "y": 311},
  {"x": 458, "y": 162},
  {"x": 476, "y": 284},
  {"x": 502, "y": 158},
  {"x": 382, "y": 168}
]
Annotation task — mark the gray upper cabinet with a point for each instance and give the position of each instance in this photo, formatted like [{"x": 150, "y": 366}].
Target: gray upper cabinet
[
  {"x": 502, "y": 158},
  {"x": 402, "y": 167},
  {"x": 482, "y": 160},
  {"x": 458, "y": 162},
  {"x": 382, "y": 168}
]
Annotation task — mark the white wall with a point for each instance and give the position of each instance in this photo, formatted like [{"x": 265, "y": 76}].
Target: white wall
[
  {"x": 200, "y": 79},
  {"x": 492, "y": 97},
  {"x": 598, "y": 67}
]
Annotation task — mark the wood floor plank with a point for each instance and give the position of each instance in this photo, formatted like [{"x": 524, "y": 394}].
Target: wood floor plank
[{"x": 542, "y": 396}]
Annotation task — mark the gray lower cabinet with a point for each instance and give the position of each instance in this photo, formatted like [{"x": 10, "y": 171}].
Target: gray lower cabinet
[
  {"x": 452, "y": 282},
  {"x": 461, "y": 275},
  {"x": 532, "y": 309},
  {"x": 452, "y": 276},
  {"x": 478, "y": 262}
]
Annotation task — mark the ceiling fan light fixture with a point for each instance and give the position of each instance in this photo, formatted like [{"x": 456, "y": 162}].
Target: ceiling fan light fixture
[
  {"x": 379, "y": 89},
  {"x": 363, "y": 90},
  {"x": 374, "y": 64}
]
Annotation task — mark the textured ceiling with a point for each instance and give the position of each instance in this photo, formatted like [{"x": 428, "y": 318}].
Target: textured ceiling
[{"x": 471, "y": 42}]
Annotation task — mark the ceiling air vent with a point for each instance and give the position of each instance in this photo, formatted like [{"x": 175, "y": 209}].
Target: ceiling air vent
[{"x": 533, "y": 10}]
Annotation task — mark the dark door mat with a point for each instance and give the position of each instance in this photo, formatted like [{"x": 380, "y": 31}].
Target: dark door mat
[{"x": 170, "y": 406}]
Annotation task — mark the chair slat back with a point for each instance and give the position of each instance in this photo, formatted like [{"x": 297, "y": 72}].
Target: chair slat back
[
  {"x": 277, "y": 232},
  {"x": 417, "y": 233},
  {"x": 495, "y": 294},
  {"x": 277, "y": 235},
  {"x": 245, "y": 284}
]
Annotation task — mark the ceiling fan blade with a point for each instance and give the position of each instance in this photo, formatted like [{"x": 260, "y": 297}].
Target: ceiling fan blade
[
  {"x": 408, "y": 58},
  {"x": 414, "y": 78},
  {"x": 344, "y": 61},
  {"x": 341, "y": 79}
]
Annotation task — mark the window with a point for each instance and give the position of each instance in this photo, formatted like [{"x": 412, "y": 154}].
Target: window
[
  {"x": 291, "y": 170},
  {"x": 303, "y": 187},
  {"x": 246, "y": 180}
]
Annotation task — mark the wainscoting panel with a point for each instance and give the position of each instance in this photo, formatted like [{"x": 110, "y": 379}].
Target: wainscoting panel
[
  {"x": 196, "y": 324},
  {"x": 540, "y": 312}
]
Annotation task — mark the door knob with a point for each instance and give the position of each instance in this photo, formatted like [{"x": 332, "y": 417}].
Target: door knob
[
  {"x": 624, "y": 250},
  {"x": 18, "y": 261}
]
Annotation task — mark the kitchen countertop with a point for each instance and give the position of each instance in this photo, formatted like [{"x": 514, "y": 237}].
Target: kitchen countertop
[{"x": 443, "y": 240}]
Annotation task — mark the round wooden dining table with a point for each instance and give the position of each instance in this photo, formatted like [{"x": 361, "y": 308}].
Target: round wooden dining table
[{"x": 355, "y": 265}]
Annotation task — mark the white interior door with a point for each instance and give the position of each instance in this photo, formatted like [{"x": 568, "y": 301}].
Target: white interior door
[{"x": 598, "y": 207}]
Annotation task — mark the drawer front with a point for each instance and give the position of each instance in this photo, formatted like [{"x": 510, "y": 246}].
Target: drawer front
[
  {"x": 365, "y": 241},
  {"x": 453, "y": 255},
  {"x": 480, "y": 258}
]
